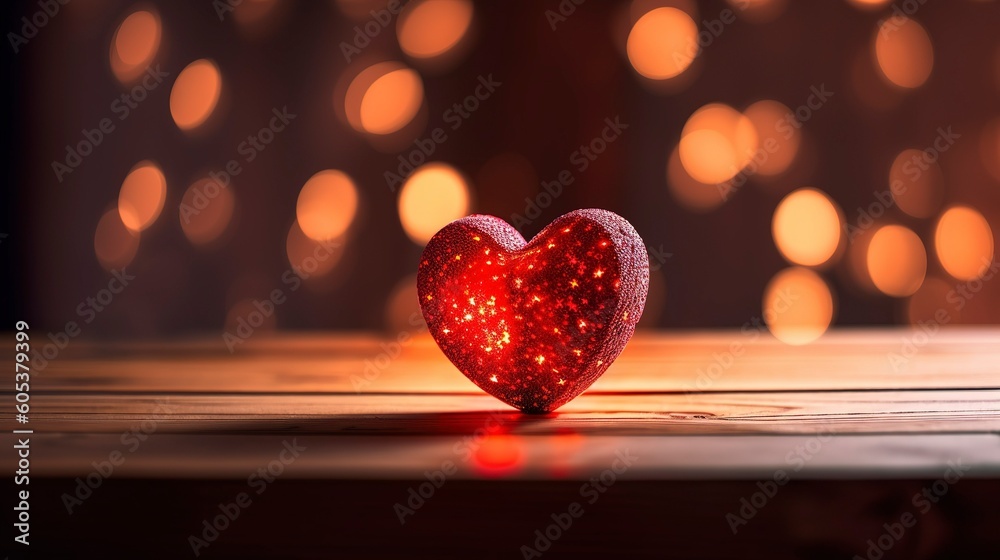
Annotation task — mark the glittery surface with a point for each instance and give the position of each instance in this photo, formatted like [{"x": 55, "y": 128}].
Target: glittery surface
[{"x": 534, "y": 324}]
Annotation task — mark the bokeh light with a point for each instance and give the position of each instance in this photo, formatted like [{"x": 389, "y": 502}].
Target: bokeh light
[
  {"x": 114, "y": 244},
  {"x": 716, "y": 143},
  {"x": 142, "y": 195},
  {"x": 798, "y": 306},
  {"x": 206, "y": 211},
  {"x": 326, "y": 205},
  {"x": 663, "y": 43},
  {"x": 869, "y": 4},
  {"x": 195, "y": 94},
  {"x": 779, "y": 143},
  {"x": 429, "y": 29},
  {"x": 904, "y": 52},
  {"x": 383, "y": 98},
  {"x": 391, "y": 102},
  {"x": 310, "y": 258},
  {"x": 807, "y": 227},
  {"x": 916, "y": 184},
  {"x": 692, "y": 194},
  {"x": 896, "y": 261},
  {"x": 964, "y": 242},
  {"x": 135, "y": 44},
  {"x": 901, "y": 76},
  {"x": 432, "y": 197}
]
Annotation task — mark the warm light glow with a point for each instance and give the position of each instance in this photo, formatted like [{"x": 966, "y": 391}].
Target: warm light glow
[
  {"x": 917, "y": 185},
  {"x": 708, "y": 156},
  {"x": 798, "y": 306},
  {"x": 693, "y": 195},
  {"x": 430, "y": 28},
  {"x": 869, "y": 4},
  {"x": 142, "y": 195},
  {"x": 778, "y": 140},
  {"x": 963, "y": 242},
  {"x": 206, "y": 210},
  {"x": 135, "y": 44},
  {"x": 904, "y": 52},
  {"x": 383, "y": 98},
  {"x": 195, "y": 94},
  {"x": 498, "y": 455},
  {"x": 326, "y": 205},
  {"x": 896, "y": 261},
  {"x": 807, "y": 227},
  {"x": 716, "y": 143},
  {"x": 662, "y": 43},
  {"x": 432, "y": 197},
  {"x": 114, "y": 244},
  {"x": 391, "y": 102},
  {"x": 310, "y": 258}
]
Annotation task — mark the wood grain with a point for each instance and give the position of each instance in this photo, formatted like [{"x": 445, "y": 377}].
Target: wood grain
[
  {"x": 704, "y": 362},
  {"x": 743, "y": 398},
  {"x": 168, "y": 431}
]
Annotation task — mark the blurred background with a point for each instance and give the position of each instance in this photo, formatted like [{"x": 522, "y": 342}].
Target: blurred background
[{"x": 804, "y": 165}]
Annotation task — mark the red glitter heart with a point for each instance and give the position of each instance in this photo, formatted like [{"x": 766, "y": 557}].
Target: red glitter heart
[{"x": 534, "y": 324}]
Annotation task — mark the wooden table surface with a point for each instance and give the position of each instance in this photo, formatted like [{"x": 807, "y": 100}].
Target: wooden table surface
[{"x": 892, "y": 405}]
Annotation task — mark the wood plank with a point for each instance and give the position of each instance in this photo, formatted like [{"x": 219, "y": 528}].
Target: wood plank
[
  {"x": 205, "y": 409},
  {"x": 559, "y": 457},
  {"x": 593, "y": 413},
  {"x": 842, "y": 360}
]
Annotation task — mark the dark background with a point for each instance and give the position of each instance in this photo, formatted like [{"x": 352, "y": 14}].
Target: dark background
[{"x": 558, "y": 86}]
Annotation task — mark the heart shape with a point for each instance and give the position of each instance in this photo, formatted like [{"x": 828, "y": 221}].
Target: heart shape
[{"x": 534, "y": 324}]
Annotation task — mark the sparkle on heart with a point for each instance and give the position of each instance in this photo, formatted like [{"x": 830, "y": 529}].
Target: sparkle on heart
[{"x": 534, "y": 324}]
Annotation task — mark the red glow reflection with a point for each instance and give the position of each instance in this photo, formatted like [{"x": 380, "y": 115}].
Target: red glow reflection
[{"x": 499, "y": 455}]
